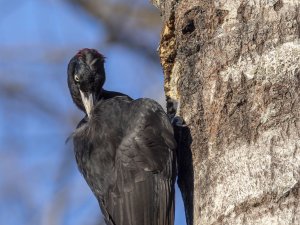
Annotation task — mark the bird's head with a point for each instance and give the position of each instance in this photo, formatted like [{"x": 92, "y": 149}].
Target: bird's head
[{"x": 86, "y": 77}]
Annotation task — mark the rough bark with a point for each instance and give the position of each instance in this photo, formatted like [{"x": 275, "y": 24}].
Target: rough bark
[{"x": 234, "y": 66}]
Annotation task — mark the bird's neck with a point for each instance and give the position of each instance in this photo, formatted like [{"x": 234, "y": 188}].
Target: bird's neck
[{"x": 104, "y": 94}]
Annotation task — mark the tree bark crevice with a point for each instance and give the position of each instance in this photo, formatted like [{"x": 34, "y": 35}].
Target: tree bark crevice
[{"x": 252, "y": 207}]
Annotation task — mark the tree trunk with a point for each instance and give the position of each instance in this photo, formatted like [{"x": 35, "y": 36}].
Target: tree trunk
[{"x": 234, "y": 66}]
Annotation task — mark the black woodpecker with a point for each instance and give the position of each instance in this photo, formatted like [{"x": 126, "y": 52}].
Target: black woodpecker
[{"x": 124, "y": 148}]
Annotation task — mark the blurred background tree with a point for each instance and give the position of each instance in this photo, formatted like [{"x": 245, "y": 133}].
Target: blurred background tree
[{"x": 39, "y": 181}]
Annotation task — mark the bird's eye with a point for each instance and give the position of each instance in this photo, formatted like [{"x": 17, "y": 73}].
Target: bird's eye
[{"x": 76, "y": 78}]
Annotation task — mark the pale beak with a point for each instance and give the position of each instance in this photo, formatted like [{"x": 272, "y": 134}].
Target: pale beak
[{"x": 88, "y": 100}]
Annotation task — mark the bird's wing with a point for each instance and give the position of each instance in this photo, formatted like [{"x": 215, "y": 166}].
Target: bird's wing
[
  {"x": 131, "y": 169},
  {"x": 144, "y": 190},
  {"x": 149, "y": 201},
  {"x": 149, "y": 139}
]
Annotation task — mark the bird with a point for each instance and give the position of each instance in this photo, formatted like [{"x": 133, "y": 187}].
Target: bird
[{"x": 124, "y": 148}]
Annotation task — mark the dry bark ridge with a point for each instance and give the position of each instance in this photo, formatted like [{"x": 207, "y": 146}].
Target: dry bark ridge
[{"x": 235, "y": 68}]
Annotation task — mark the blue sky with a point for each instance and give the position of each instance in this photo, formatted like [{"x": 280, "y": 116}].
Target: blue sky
[{"x": 39, "y": 181}]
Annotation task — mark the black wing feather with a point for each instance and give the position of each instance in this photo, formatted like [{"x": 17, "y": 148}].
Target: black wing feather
[{"x": 126, "y": 154}]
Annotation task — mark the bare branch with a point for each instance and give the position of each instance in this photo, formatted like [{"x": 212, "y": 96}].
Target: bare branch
[{"x": 127, "y": 24}]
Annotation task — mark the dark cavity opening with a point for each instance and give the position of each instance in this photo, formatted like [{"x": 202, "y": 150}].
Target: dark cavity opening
[{"x": 189, "y": 27}]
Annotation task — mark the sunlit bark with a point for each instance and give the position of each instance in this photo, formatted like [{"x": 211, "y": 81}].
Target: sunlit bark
[{"x": 234, "y": 66}]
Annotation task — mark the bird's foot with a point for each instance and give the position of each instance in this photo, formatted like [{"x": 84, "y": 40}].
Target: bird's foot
[{"x": 178, "y": 121}]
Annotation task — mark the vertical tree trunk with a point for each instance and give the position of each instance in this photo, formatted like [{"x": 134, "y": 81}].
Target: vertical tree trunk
[{"x": 234, "y": 66}]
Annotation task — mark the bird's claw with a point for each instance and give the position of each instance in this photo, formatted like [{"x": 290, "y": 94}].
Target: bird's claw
[{"x": 178, "y": 121}]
